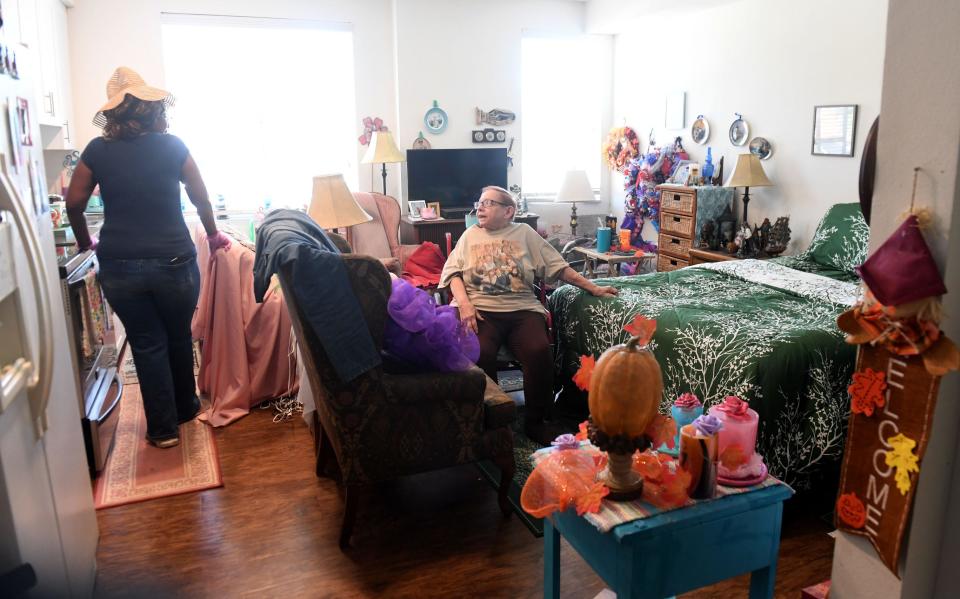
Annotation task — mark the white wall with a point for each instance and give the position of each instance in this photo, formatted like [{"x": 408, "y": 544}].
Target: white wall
[
  {"x": 920, "y": 128},
  {"x": 466, "y": 54},
  {"x": 463, "y": 53},
  {"x": 772, "y": 62}
]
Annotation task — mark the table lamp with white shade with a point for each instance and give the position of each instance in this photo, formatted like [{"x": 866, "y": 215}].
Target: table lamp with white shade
[
  {"x": 333, "y": 206},
  {"x": 575, "y": 188},
  {"x": 748, "y": 173},
  {"x": 383, "y": 149}
]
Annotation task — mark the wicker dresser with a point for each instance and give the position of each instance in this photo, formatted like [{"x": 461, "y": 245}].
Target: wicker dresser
[{"x": 683, "y": 210}]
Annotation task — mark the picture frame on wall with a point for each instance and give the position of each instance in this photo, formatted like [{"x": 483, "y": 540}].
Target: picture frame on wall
[
  {"x": 834, "y": 130},
  {"x": 675, "y": 106}
]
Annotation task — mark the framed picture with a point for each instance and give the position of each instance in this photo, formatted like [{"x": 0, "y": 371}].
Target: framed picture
[
  {"x": 834, "y": 130},
  {"x": 415, "y": 206},
  {"x": 673, "y": 112},
  {"x": 436, "y": 208}
]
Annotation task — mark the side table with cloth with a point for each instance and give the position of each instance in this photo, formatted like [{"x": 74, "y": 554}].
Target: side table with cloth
[
  {"x": 641, "y": 550},
  {"x": 245, "y": 357}
]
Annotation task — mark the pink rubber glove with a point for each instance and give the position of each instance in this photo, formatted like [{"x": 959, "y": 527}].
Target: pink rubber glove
[
  {"x": 94, "y": 242},
  {"x": 220, "y": 240}
]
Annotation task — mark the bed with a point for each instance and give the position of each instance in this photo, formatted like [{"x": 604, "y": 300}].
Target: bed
[{"x": 761, "y": 329}]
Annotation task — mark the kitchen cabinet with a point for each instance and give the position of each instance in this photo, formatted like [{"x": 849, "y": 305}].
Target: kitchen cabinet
[{"x": 52, "y": 80}]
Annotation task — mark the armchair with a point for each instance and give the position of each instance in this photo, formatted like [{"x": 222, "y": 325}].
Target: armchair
[
  {"x": 380, "y": 237},
  {"x": 384, "y": 425}
]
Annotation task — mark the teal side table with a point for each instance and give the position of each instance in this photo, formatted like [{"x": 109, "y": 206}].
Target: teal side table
[{"x": 677, "y": 551}]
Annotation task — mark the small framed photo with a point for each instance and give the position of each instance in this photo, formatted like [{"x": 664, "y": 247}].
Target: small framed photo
[
  {"x": 436, "y": 208},
  {"x": 834, "y": 130},
  {"x": 23, "y": 118},
  {"x": 415, "y": 206}
]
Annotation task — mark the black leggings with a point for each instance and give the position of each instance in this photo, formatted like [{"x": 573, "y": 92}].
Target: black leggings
[{"x": 525, "y": 334}]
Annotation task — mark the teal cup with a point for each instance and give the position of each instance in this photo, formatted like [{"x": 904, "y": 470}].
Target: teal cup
[
  {"x": 470, "y": 219},
  {"x": 603, "y": 239}
]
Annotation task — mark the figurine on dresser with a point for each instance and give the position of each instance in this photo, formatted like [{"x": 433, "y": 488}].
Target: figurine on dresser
[{"x": 778, "y": 237}]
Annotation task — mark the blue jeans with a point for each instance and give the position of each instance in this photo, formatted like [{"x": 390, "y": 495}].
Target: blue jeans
[{"x": 155, "y": 299}]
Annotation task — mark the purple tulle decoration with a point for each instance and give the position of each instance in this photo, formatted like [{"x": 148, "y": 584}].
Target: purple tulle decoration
[{"x": 427, "y": 335}]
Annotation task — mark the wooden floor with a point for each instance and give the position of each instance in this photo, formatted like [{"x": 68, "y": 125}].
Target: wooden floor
[{"x": 271, "y": 531}]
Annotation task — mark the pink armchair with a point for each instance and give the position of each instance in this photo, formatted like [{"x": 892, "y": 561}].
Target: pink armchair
[{"x": 380, "y": 237}]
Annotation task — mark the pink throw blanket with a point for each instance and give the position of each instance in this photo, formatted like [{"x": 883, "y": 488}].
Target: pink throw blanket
[{"x": 245, "y": 345}]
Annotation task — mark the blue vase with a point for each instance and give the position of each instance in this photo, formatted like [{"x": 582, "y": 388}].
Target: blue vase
[
  {"x": 707, "y": 169},
  {"x": 683, "y": 417}
]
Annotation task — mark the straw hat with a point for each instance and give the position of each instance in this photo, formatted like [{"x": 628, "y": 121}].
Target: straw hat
[{"x": 127, "y": 81}]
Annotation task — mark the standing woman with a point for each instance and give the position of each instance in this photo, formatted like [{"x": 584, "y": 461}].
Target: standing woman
[{"x": 148, "y": 262}]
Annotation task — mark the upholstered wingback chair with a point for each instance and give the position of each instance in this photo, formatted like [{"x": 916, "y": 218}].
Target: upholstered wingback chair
[
  {"x": 380, "y": 237},
  {"x": 383, "y": 425}
]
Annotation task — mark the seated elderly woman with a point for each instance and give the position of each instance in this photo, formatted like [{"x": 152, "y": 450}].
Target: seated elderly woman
[{"x": 490, "y": 274}]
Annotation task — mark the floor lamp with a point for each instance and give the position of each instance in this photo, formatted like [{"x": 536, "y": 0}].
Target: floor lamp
[
  {"x": 383, "y": 149},
  {"x": 333, "y": 206}
]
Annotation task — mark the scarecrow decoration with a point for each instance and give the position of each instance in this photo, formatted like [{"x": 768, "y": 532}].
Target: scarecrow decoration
[{"x": 903, "y": 353}]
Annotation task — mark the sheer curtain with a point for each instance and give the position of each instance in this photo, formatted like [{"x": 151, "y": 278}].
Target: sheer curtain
[
  {"x": 262, "y": 104},
  {"x": 562, "y": 105}
]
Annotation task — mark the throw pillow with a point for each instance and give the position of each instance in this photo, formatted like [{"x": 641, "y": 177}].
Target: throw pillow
[{"x": 841, "y": 238}]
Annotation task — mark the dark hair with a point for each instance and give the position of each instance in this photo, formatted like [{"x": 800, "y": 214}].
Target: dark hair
[{"x": 132, "y": 118}]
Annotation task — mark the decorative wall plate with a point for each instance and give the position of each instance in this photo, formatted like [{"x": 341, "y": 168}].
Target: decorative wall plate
[
  {"x": 700, "y": 130},
  {"x": 435, "y": 119},
  {"x": 761, "y": 147},
  {"x": 421, "y": 143},
  {"x": 739, "y": 131}
]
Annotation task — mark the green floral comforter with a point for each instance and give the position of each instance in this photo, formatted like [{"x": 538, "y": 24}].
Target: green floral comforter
[{"x": 757, "y": 329}]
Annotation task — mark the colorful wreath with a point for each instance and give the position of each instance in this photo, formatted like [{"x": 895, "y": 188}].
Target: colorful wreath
[{"x": 621, "y": 146}]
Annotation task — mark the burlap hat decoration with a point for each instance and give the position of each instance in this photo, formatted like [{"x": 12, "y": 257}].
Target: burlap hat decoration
[{"x": 127, "y": 81}]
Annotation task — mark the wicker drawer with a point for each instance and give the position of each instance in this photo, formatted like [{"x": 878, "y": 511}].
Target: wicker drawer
[
  {"x": 677, "y": 201},
  {"x": 667, "y": 263},
  {"x": 675, "y": 246},
  {"x": 676, "y": 224}
]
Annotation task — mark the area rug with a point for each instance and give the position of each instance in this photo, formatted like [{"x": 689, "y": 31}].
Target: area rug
[{"x": 137, "y": 471}]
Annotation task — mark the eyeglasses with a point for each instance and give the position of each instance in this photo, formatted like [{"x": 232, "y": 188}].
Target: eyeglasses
[{"x": 488, "y": 203}]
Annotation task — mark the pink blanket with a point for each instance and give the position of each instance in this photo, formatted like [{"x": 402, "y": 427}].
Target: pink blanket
[{"x": 245, "y": 351}]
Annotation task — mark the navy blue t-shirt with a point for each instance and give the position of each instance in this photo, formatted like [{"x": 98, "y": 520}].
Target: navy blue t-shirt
[{"x": 140, "y": 185}]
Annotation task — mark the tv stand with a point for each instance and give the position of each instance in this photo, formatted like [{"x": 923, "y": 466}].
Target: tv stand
[{"x": 417, "y": 231}]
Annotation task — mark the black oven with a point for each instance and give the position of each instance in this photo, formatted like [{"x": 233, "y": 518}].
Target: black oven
[{"x": 93, "y": 345}]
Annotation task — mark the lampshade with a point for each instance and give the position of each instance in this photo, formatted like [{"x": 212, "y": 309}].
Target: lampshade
[
  {"x": 575, "y": 188},
  {"x": 333, "y": 205},
  {"x": 382, "y": 148},
  {"x": 748, "y": 173}
]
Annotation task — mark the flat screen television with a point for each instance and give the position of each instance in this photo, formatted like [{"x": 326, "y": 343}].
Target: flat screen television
[{"x": 454, "y": 177}]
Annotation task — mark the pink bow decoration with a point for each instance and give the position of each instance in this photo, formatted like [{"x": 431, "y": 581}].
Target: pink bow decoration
[{"x": 370, "y": 125}]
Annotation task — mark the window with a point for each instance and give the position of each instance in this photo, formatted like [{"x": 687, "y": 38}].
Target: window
[
  {"x": 263, "y": 104},
  {"x": 564, "y": 89}
]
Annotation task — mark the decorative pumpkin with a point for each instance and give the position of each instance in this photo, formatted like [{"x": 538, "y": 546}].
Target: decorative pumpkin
[
  {"x": 851, "y": 511},
  {"x": 625, "y": 389}
]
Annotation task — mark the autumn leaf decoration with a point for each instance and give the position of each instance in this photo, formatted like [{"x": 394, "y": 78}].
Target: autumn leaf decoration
[
  {"x": 901, "y": 457},
  {"x": 662, "y": 431},
  {"x": 867, "y": 391},
  {"x": 590, "y": 501},
  {"x": 641, "y": 327},
  {"x": 582, "y": 434},
  {"x": 582, "y": 378},
  {"x": 733, "y": 457}
]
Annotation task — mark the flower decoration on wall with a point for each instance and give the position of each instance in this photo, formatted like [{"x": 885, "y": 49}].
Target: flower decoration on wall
[
  {"x": 622, "y": 145},
  {"x": 370, "y": 126},
  {"x": 642, "y": 202}
]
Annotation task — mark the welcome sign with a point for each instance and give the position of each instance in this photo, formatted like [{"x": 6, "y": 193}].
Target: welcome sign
[{"x": 893, "y": 401}]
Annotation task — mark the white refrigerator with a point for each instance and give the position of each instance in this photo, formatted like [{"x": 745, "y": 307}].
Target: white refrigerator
[{"x": 47, "y": 517}]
